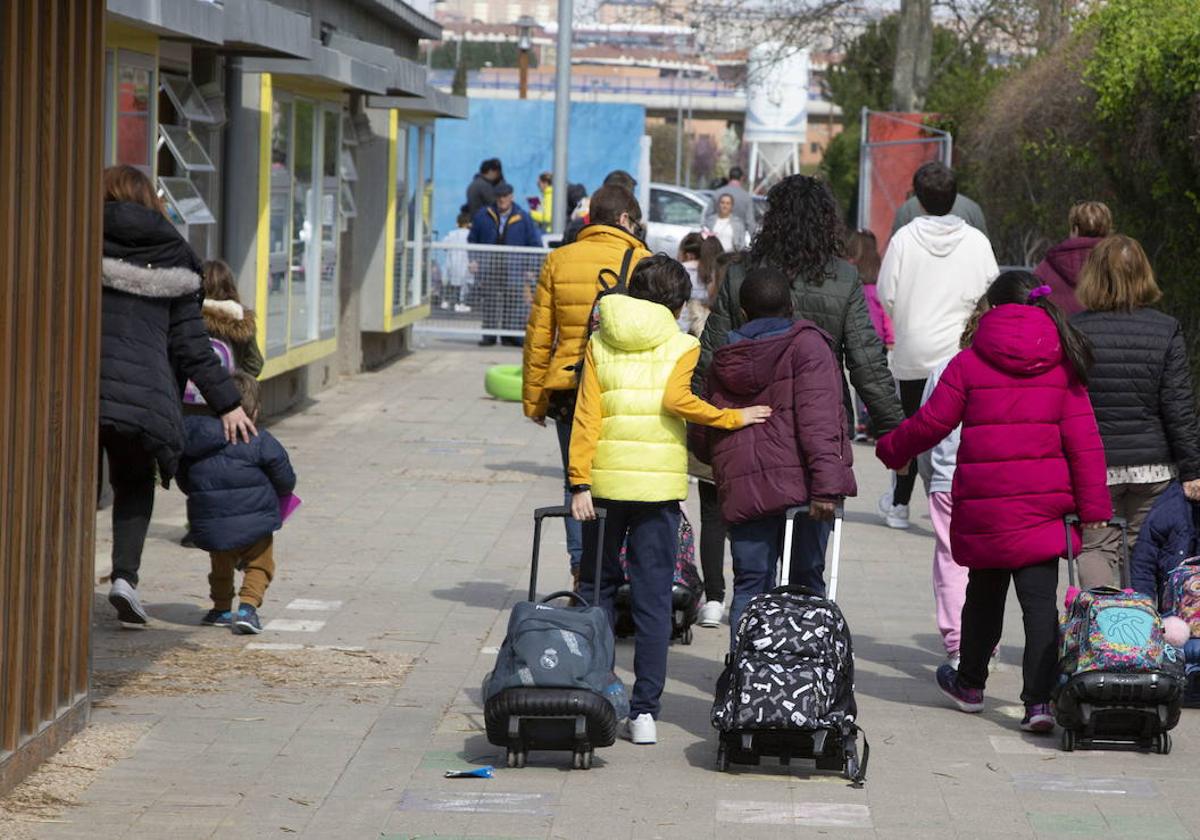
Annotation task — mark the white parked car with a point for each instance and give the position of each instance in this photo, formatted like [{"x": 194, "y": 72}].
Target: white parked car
[{"x": 674, "y": 213}]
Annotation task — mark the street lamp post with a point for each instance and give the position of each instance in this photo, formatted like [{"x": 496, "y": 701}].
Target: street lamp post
[
  {"x": 524, "y": 26},
  {"x": 562, "y": 112}
]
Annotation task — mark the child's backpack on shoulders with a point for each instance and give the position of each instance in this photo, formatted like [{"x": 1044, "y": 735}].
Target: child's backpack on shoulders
[
  {"x": 1182, "y": 596},
  {"x": 224, "y": 353}
]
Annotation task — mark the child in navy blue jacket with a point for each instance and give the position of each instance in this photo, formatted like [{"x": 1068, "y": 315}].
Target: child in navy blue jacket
[
  {"x": 233, "y": 492},
  {"x": 1170, "y": 535}
]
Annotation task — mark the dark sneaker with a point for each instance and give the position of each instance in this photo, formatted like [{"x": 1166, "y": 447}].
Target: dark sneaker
[
  {"x": 186, "y": 541},
  {"x": 967, "y": 699},
  {"x": 246, "y": 621},
  {"x": 124, "y": 599},
  {"x": 1038, "y": 718},
  {"x": 217, "y": 618}
]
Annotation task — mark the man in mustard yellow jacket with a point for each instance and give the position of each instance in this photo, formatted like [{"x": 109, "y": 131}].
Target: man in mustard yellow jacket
[
  {"x": 629, "y": 450},
  {"x": 558, "y": 320}
]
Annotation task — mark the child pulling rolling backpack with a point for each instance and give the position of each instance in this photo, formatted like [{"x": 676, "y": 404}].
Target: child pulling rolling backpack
[
  {"x": 553, "y": 687},
  {"x": 788, "y": 686},
  {"x": 1119, "y": 682}
]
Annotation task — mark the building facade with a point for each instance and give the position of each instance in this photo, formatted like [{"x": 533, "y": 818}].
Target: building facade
[{"x": 294, "y": 140}]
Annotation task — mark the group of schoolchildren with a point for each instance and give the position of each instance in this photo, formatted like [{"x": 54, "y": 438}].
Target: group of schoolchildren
[
  {"x": 238, "y": 492},
  {"x": 1014, "y": 448}
]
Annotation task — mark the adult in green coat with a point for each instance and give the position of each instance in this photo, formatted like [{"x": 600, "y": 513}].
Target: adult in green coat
[{"x": 801, "y": 235}]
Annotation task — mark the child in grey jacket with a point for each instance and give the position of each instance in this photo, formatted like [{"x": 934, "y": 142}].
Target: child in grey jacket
[{"x": 936, "y": 468}]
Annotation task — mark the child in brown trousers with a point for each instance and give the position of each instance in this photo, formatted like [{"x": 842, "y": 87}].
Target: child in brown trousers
[{"x": 234, "y": 492}]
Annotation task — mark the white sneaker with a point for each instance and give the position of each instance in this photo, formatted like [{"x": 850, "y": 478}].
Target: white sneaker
[
  {"x": 642, "y": 729},
  {"x": 711, "y": 614},
  {"x": 461, "y": 307},
  {"x": 894, "y": 516},
  {"x": 124, "y": 599}
]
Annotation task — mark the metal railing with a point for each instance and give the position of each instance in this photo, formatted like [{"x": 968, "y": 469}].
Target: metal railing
[{"x": 482, "y": 290}]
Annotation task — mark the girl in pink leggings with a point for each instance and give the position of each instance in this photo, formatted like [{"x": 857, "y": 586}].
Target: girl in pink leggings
[{"x": 937, "y": 468}]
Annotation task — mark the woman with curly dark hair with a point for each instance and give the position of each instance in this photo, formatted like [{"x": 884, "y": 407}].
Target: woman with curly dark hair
[{"x": 802, "y": 236}]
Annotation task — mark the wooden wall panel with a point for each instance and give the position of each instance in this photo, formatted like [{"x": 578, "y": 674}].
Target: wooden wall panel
[{"x": 51, "y": 104}]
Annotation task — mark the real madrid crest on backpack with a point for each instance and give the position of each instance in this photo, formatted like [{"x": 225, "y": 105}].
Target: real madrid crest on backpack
[{"x": 788, "y": 686}]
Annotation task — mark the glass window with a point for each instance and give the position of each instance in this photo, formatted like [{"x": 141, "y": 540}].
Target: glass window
[
  {"x": 185, "y": 205},
  {"x": 135, "y": 117},
  {"x": 349, "y": 207},
  {"x": 186, "y": 149},
  {"x": 187, "y": 100},
  {"x": 674, "y": 209},
  {"x": 404, "y": 178},
  {"x": 304, "y": 222},
  {"x": 331, "y": 149},
  {"x": 349, "y": 135},
  {"x": 349, "y": 170},
  {"x": 281, "y": 226}
]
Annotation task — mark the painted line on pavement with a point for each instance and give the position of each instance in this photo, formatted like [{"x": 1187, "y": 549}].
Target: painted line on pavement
[
  {"x": 1100, "y": 785},
  {"x": 815, "y": 814},
  {"x": 313, "y": 604},
  {"x": 293, "y": 625},
  {"x": 1021, "y": 745},
  {"x": 489, "y": 651},
  {"x": 523, "y": 804},
  {"x": 273, "y": 646}
]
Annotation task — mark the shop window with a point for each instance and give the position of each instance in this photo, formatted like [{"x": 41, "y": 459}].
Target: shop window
[
  {"x": 181, "y": 155},
  {"x": 305, "y": 219},
  {"x": 280, "y": 227},
  {"x": 185, "y": 205},
  {"x": 188, "y": 102},
  {"x": 135, "y": 95}
]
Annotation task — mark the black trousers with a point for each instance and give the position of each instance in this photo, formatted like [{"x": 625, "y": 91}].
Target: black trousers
[
  {"x": 132, "y": 474},
  {"x": 712, "y": 542},
  {"x": 983, "y": 621},
  {"x": 910, "y": 400}
]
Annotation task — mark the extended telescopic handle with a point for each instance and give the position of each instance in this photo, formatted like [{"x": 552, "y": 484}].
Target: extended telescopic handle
[
  {"x": 561, "y": 512},
  {"x": 786, "y": 561}
]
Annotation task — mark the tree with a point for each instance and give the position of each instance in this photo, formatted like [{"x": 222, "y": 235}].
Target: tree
[
  {"x": 911, "y": 66},
  {"x": 961, "y": 79}
]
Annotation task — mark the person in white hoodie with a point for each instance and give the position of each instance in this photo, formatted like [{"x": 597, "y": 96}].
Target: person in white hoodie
[{"x": 935, "y": 270}]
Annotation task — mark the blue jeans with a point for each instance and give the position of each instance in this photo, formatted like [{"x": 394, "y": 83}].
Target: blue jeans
[
  {"x": 573, "y": 526},
  {"x": 652, "y": 532},
  {"x": 757, "y": 545}
]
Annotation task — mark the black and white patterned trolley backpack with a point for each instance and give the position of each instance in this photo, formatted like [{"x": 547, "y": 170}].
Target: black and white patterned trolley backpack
[{"x": 788, "y": 686}]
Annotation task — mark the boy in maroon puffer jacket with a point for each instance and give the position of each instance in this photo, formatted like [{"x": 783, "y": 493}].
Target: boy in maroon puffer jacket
[{"x": 801, "y": 455}]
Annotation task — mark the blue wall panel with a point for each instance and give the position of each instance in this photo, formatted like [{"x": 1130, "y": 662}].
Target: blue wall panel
[{"x": 604, "y": 137}]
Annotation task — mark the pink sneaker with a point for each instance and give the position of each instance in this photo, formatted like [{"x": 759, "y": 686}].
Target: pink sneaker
[{"x": 1038, "y": 718}]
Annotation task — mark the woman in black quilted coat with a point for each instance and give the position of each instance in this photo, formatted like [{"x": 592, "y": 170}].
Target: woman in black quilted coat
[
  {"x": 801, "y": 235},
  {"x": 1141, "y": 391},
  {"x": 152, "y": 341}
]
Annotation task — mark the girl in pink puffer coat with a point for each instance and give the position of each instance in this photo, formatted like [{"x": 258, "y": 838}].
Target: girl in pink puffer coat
[{"x": 1030, "y": 454}]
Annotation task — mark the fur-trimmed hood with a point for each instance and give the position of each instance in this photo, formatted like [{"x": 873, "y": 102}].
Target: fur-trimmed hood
[
  {"x": 230, "y": 321},
  {"x": 148, "y": 282},
  {"x": 144, "y": 254}
]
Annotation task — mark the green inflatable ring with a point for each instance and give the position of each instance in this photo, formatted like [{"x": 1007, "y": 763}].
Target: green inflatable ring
[{"x": 503, "y": 382}]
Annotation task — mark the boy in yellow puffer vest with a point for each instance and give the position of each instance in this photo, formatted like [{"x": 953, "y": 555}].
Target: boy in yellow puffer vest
[{"x": 629, "y": 449}]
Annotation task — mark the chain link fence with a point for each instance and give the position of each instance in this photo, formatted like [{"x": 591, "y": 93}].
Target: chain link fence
[{"x": 482, "y": 290}]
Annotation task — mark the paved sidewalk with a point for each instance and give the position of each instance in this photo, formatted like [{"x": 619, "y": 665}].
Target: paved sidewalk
[{"x": 395, "y": 581}]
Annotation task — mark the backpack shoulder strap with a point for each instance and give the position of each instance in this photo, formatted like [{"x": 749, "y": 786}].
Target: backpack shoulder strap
[{"x": 619, "y": 280}]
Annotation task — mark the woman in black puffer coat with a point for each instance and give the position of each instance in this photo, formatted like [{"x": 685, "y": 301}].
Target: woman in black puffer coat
[
  {"x": 152, "y": 341},
  {"x": 1141, "y": 391}
]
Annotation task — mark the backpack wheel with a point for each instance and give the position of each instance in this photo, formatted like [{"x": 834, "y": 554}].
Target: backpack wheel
[
  {"x": 585, "y": 760},
  {"x": 1162, "y": 743},
  {"x": 577, "y": 760},
  {"x": 1068, "y": 740},
  {"x": 511, "y": 759},
  {"x": 722, "y": 758},
  {"x": 686, "y": 636},
  {"x": 521, "y": 756}
]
